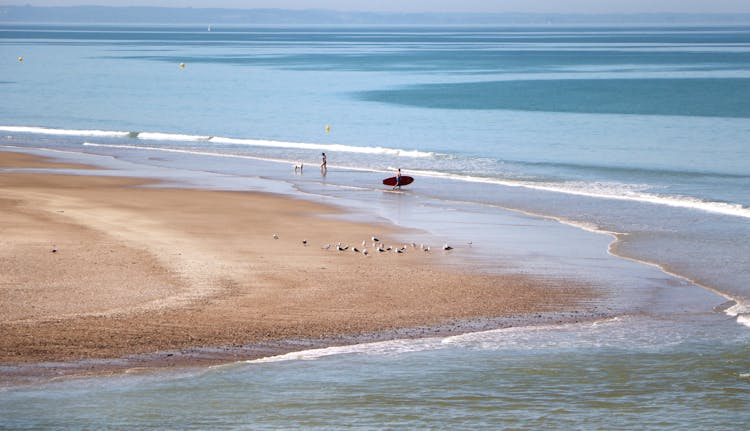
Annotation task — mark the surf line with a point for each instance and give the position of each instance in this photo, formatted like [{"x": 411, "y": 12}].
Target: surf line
[
  {"x": 735, "y": 210},
  {"x": 161, "y": 136}
]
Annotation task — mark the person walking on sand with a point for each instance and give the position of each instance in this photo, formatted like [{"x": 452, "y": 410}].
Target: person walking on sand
[
  {"x": 398, "y": 180},
  {"x": 323, "y": 167}
]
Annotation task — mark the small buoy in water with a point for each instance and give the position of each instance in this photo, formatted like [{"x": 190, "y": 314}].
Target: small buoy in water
[
  {"x": 328, "y": 128},
  {"x": 20, "y": 59},
  {"x": 182, "y": 65}
]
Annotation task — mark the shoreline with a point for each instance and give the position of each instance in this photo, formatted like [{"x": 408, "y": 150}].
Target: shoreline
[
  {"x": 162, "y": 277},
  {"x": 193, "y": 358}
]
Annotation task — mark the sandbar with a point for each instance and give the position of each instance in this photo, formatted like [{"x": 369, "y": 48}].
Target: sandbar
[{"x": 106, "y": 274}]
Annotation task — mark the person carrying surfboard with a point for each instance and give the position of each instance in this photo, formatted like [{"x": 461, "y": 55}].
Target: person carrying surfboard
[{"x": 398, "y": 181}]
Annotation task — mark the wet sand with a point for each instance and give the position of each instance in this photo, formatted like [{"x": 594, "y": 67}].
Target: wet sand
[{"x": 104, "y": 274}]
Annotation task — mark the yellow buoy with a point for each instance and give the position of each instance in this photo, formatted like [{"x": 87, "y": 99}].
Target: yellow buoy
[
  {"x": 20, "y": 59},
  {"x": 328, "y": 128},
  {"x": 182, "y": 65}
]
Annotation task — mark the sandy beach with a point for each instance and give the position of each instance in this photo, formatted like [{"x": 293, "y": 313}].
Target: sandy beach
[{"x": 117, "y": 273}]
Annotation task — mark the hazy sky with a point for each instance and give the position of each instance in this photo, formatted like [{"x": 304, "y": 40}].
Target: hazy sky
[{"x": 569, "y": 6}]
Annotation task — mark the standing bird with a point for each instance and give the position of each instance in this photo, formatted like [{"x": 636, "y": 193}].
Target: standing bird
[
  {"x": 304, "y": 242},
  {"x": 364, "y": 252},
  {"x": 275, "y": 236},
  {"x": 446, "y": 247}
]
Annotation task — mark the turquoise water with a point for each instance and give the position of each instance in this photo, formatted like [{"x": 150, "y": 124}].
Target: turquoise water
[
  {"x": 614, "y": 375},
  {"x": 629, "y": 142}
]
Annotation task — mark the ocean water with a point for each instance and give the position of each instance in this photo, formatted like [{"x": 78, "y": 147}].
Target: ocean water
[{"x": 619, "y": 156}]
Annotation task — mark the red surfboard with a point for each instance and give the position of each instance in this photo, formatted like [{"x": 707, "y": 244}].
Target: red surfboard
[{"x": 392, "y": 181}]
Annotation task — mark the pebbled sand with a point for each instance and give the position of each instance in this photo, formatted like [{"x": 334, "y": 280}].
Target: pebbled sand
[{"x": 149, "y": 276}]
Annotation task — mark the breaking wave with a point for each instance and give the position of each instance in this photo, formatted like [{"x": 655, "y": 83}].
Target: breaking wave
[
  {"x": 159, "y": 136},
  {"x": 600, "y": 190}
]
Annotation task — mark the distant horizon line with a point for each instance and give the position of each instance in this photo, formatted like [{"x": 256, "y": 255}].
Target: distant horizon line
[{"x": 219, "y": 15}]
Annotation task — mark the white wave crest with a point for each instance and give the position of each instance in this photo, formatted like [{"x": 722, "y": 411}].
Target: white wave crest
[
  {"x": 161, "y": 136},
  {"x": 615, "y": 191},
  {"x": 632, "y": 193},
  {"x": 740, "y": 311},
  {"x": 323, "y": 147},
  {"x": 737, "y": 309},
  {"x": 391, "y": 347},
  {"x": 156, "y": 136},
  {"x": 64, "y": 132}
]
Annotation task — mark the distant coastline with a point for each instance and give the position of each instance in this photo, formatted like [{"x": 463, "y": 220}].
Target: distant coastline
[{"x": 166, "y": 15}]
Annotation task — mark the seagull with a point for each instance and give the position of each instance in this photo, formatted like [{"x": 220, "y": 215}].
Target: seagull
[
  {"x": 364, "y": 243},
  {"x": 426, "y": 248},
  {"x": 399, "y": 250},
  {"x": 326, "y": 247},
  {"x": 380, "y": 249},
  {"x": 339, "y": 247},
  {"x": 375, "y": 239},
  {"x": 354, "y": 249},
  {"x": 54, "y": 249},
  {"x": 364, "y": 252},
  {"x": 275, "y": 236},
  {"x": 446, "y": 247},
  {"x": 304, "y": 242}
]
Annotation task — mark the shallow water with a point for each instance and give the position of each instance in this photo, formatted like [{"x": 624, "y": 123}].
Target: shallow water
[
  {"x": 615, "y": 374},
  {"x": 628, "y": 170}
]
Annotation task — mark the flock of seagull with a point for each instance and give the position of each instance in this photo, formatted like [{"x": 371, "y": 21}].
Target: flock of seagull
[{"x": 377, "y": 245}]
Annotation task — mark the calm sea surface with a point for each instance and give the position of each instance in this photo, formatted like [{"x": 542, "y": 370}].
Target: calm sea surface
[{"x": 617, "y": 156}]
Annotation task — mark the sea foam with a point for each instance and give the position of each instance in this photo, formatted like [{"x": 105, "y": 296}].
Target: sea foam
[
  {"x": 614, "y": 191},
  {"x": 741, "y": 312},
  {"x": 380, "y": 348},
  {"x": 323, "y": 147},
  {"x": 178, "y": 137},
  {"x": 600, "y": 190},
  {"x": 64, "y": 132}
]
